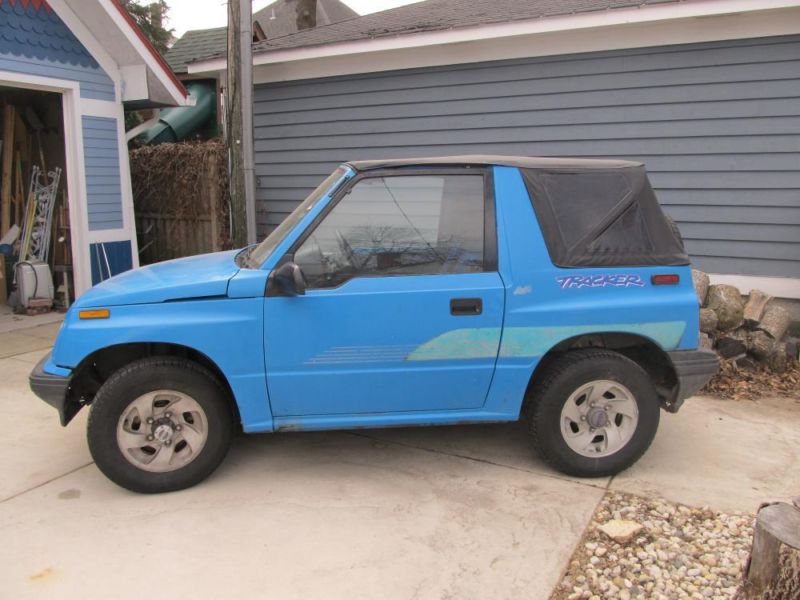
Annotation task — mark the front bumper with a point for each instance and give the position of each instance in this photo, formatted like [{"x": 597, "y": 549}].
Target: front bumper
[
  {"x": 53, "y": 389},
  {"x": 693, "y": 369}
]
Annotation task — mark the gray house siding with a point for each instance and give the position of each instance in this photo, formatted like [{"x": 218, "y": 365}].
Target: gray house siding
[
  {"x": 101, "y": 160},
  {"x": 717, "y": 124}
]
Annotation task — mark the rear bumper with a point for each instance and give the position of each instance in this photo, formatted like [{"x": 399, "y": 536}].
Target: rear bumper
[
  {"x": 54, "y": 390},
  {"x": 693, "y": 368}
]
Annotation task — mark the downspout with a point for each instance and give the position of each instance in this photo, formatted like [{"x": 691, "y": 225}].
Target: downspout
[{"x": 142, "y": 127}]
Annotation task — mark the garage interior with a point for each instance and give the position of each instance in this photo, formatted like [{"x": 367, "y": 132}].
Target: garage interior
[{"x": 36, "y": 264}]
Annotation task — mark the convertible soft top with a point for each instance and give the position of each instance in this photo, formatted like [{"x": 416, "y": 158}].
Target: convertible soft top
[
  {"x": 593, "y": 213},
  {"x": 522, "y": 162}
]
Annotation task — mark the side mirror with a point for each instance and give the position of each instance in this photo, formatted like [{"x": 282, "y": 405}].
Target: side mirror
[{"x": 287, "y": 280}]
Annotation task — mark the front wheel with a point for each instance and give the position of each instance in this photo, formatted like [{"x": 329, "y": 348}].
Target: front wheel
[
  {"x": 159, "y": 425},
  {"x": 595, "y": 412}
]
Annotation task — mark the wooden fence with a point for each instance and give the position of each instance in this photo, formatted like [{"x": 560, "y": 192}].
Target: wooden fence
[{"x": 180, "y": 200}]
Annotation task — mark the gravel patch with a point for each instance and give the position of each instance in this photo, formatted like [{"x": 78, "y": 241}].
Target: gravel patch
[{"x": 680, "y": 552}]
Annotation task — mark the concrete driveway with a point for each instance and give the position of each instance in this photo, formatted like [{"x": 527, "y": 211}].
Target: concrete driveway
[{"x": 452, "y": 512}]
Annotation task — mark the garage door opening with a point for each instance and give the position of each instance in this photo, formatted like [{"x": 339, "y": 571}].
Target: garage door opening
[{"x": 35, "y": 252}]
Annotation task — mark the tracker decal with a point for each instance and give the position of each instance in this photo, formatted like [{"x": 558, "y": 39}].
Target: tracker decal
[{"x": 600, "y": 280}]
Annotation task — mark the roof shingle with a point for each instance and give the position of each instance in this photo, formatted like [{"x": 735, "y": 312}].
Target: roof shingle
[
  {"x": 438, "y": 15},
  {"x": 202, "y": 43}
]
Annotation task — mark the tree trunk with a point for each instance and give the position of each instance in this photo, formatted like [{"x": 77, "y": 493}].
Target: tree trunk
[
  {"x": 776, "y": 525},
  {"x": 761, "y": 345},
  {"x": 775, "y": 321},
  {"x": 756, "y": 303}
]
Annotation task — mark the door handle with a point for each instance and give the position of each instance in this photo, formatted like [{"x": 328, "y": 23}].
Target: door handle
[{"x": 463, "y": 307}]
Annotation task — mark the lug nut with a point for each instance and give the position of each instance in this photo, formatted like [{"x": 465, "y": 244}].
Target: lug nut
[
  {"x": 149, "y": 420},
  {"x": 178, "y": 427},
  {"x": 583, "y": 417},
  {"x": 168, "y": 442},
  {"x": 591, "y": 430},
  {"x": 149, "y": 438},
  {"x": 168, "y": 414}
]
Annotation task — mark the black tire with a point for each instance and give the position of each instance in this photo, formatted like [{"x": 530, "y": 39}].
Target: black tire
[
  {"x": 139, "y": 378},
  {"x": 564, "y": 377}
]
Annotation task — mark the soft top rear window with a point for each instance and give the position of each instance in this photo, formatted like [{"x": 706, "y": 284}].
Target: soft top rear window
[{"x": 607, "y": 218}]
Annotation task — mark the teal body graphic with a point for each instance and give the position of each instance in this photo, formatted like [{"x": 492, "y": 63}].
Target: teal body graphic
[{"x": 533, "y": 342}]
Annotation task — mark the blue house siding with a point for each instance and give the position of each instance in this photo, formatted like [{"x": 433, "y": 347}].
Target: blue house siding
[
  {"x": 718, "y": 125},
  {"x": 37, "y": 42},
  {"x": 101, "y": 161}
]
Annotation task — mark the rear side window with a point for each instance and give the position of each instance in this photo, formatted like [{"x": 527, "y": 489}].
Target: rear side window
[
  {"x": 602, "y": 218},
  {"x": 398, "y": 225}
]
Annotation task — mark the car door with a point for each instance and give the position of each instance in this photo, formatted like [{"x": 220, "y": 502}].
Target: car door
[{"x": 403, "y": 306}]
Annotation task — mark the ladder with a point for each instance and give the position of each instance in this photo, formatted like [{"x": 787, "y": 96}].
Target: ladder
[{"x": 38, "y": 222}]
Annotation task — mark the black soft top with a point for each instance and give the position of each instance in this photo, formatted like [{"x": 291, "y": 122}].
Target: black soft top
[
  {"x": 523, "y": 162},
  {"x": 592, "y": 213}
]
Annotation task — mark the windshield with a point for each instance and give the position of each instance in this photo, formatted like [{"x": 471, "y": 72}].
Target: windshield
[{"x": 256, "y": 257}]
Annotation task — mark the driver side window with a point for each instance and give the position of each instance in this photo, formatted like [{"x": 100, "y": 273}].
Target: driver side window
[{"x": 398, "y": 225}]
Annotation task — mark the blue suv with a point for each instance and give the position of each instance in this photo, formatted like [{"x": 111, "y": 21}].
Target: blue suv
[{"x": 433, "y": 291}]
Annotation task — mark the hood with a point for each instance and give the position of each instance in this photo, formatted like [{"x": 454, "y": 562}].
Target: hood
[{"x": 193, "y": 277}]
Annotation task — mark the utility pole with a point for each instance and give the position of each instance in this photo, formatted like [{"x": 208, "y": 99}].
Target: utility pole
[{"x": 239, "y": 122}]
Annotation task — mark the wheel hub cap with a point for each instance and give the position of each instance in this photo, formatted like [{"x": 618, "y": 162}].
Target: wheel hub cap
[
  {"x": 599, "y": 418},
  {"x": 162, "y": 431}
]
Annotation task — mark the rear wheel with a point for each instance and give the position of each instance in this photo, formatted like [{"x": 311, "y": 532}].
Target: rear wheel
[
  {"x": 595, "y": 412},
  {"x": 159, "y": 425}
]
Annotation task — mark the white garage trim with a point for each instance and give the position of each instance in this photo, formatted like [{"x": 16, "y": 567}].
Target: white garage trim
[
  {"x": 779, "y": 287},
  {"x": 608, "y": 30},
  {"x": 74, "y": 171}
]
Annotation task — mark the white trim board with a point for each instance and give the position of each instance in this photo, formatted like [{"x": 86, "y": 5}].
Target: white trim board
[
  {"x": 155, "y": 67},
  {"x": 75, "y": 172},
  {"x": 779, "y": 287},
  {"x": 89, "y": 41},
  {"x": 649, "y": 25},
  {"x": 100, "y": 108}
]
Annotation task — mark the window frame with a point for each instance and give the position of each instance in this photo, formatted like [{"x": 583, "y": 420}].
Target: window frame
[{"x": 489, "y": 216}]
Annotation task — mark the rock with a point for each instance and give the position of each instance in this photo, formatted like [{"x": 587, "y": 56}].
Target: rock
[
  {"x": 745, "y": 363},
  {"x": 701, "y": 282},
  {"x": 706, "y": 342},
  {"x": 756, "y": 303},
  {"x": 792, "y": 348},
  {"x": 732, "y": 344},
  {"x": 708, "y": 320},
  {"x": 761, "y": 345},
  {"x": 778, "y": 362},
  {"x": 775, "y": 321},
  {"x": 621, "y": 530},
  {"x": 726, "y": 301}
]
